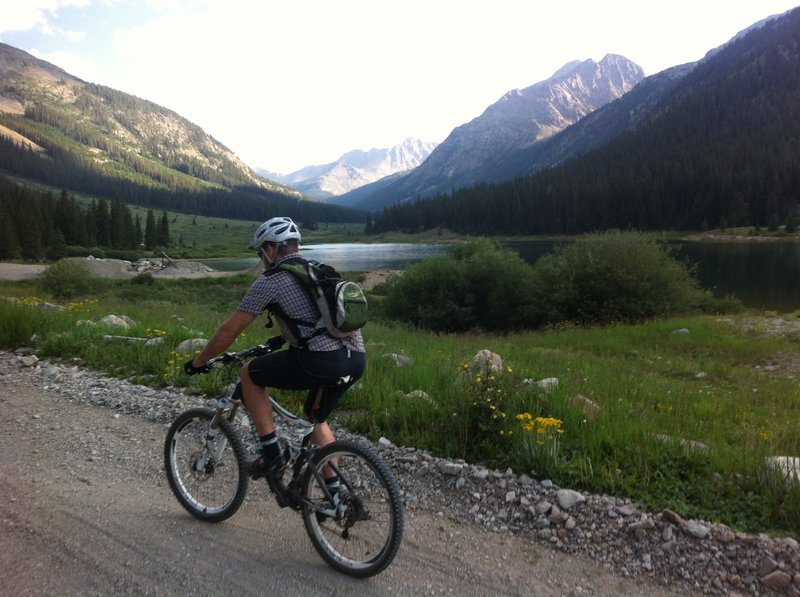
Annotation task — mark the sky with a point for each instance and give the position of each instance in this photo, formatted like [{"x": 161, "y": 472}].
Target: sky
[{"x": 293, "y": 83}]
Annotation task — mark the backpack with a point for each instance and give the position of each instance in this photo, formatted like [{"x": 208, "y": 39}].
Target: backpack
[{"x": 341, "y": 304}]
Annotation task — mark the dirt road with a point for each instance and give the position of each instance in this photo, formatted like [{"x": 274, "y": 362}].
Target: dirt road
[
  {"x": 19, "y": 271},
  {"x": 86, "y": 510}
]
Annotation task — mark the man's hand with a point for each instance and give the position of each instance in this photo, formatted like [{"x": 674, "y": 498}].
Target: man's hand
[
  {"x": 275, "y": 343},
  {"x": 190, "y": 369}
]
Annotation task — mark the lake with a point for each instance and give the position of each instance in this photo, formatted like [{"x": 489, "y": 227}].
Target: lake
[{"x": 764, "y": 275}]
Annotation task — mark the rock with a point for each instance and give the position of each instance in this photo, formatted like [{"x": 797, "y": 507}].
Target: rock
[
  {"x": 479, "y": 473},
  {"x": 116, "y": 321},
  {"x": 696, "y": 529},
  {"x": 767, "y": 566},
  {"x": 547, "y": 384},
  {"x": 125, "y": 339},
  {"x": 29, "y": 360},
  {"x": 672, "y": 517},
  {"x": 191, "y": 346},
  {"x": 586, "y": 406},
  {"x": 627, "y": 510},
  {"x": 787, "y": 467},
  {"x": 485, "y": 362},
  {"x": 421, "y": 395},
  {"x": 687, "y": 444},
  {"x": 681, "y": 331},
  {"x": 451, "y": 469},
  {"x": 399, "y": 359},
  {"x": 567, "y": 498},
  {"x": 777, "y": 579}
]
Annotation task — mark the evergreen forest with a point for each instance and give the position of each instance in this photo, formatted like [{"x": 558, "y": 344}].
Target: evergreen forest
[
  {"x": 722, "y": 149},
  {"x": 38, "y": 225}
]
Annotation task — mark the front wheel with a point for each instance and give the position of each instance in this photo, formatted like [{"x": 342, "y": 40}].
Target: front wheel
[
  {"x": 360, "y": 532},
  {"x": 206, "y": 466}
]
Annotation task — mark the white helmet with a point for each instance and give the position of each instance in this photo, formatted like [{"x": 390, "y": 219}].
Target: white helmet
[{"x": 275, "y": 230}]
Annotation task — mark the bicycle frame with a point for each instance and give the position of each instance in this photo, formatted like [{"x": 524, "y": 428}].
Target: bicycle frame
[{"x": 356, "y": 527}]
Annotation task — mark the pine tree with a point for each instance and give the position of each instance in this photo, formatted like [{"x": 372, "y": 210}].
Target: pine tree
[
  {"x": 103, "y": 224},
  {"x": 117, "y": 225},
  {"x": 9, "y": 243},
  {"x": 150, "y": 231},
  {"x": 163, "y": 230}
]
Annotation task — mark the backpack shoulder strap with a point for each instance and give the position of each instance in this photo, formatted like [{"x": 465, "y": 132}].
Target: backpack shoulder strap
[{"x": 297, "y": 266}]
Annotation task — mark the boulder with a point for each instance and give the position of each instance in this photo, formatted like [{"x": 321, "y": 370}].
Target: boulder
[{"x": 191, "y": 346}]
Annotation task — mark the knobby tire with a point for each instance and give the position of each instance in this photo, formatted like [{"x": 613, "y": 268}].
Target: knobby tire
[
  {"x": 215, "y": 493},
  {"x": 364, "y": 540}
]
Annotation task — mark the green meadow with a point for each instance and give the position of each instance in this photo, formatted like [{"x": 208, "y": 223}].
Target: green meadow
[{"x": 676, "y": 412}]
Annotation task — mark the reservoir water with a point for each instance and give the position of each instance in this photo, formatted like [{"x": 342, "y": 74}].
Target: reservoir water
[{"x": 764, "y": 275}]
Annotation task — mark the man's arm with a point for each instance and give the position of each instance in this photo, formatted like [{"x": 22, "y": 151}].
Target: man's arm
[{"x": 224, "y": 336}]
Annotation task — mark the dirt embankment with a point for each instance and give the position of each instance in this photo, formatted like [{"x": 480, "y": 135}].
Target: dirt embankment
[{"x": 118, "y": 269}]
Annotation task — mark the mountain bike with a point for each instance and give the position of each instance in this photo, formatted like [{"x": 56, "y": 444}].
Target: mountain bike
[{"x": 356, "y": 529}]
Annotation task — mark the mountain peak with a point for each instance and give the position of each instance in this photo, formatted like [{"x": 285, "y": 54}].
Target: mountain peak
[{"x": 357, "y": 168}]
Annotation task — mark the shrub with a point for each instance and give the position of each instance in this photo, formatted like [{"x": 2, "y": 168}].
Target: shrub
[
  {"x": 67, "y": 279},
  {"x": 18, "y": 322},
  {"x": 476, "y": 285},
  {"x": 614, "y": 277}
]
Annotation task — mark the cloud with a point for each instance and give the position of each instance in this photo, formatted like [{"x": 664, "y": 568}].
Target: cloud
[{"x": 34, "y": 14}]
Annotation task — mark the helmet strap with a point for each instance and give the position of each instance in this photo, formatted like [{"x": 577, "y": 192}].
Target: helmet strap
[{"x": 270, "y": 261}]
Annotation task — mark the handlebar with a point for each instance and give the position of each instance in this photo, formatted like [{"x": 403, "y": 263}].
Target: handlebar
[{"x": 255, "y": 351}]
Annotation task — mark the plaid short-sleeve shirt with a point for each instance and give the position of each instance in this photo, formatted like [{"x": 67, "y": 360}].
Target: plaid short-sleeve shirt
[{"x": 283, "y": 288}]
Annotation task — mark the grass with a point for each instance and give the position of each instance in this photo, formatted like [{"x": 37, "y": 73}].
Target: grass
[{"x": 655, "y": 387}]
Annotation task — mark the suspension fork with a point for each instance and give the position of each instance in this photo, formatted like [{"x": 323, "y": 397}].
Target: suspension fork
[{"x": 227, "y": 407}]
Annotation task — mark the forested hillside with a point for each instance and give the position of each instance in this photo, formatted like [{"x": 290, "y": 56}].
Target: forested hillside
[
  {"x": 86, "y": 138},
  {"x": 721, "y": 149},
  {"x": 38, "y": 225}
]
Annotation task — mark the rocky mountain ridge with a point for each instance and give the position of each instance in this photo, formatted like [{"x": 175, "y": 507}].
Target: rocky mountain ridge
[
  {"x": 355, "y": 169},
  {"x": 520, "y": 119},
  {"x": 106, "y": 125}
]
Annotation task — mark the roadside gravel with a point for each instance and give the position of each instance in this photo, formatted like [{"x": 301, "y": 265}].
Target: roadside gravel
[{"x": 615, "y": 535}]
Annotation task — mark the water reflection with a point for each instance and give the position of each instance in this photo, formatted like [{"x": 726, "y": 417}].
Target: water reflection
[
  {"x": 349, "y": 256},
  {"x": 763, "y": 275}
]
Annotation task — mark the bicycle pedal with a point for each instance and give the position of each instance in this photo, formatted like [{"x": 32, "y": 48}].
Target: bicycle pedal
[{"x": 282, "y": 500}]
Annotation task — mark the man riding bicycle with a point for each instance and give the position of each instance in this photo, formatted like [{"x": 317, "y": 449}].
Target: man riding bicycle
[{"x": 312, "y": 362}]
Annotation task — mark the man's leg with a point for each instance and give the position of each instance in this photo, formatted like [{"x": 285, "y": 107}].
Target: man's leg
[
  {"x": 322, "y": 434},
  {"x": 259, "y": 407},
  {"x": 271, "y": 461}
]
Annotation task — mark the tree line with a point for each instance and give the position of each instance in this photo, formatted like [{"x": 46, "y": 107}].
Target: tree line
[
  {"x": 38, "y": 225},
  {"x": 80, "y": 154},
  {"x": 721, "y": 150}
]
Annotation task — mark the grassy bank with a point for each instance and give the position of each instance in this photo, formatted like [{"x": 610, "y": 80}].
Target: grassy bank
[{"x": 678, "y": 413}]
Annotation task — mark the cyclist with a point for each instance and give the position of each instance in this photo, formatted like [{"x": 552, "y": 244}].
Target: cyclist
[{"x": 306, "y": 365}]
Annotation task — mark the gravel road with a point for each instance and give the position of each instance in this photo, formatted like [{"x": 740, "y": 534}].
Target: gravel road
[{"x": 87, "y": 511}]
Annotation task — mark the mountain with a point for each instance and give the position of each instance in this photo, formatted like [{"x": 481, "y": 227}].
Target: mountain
[
  {"x": 61, "y": 131},
  {"x": 355, "y": 169},
  {"x": 478, "y": 151},
  {"x": 704, "y": 145}
]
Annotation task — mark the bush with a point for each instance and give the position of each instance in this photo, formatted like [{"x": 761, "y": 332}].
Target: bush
[
  {"x": 614, "y": 277},
  {"x": 477, "y": 285},
  {"x": 67, "y": 279},
  {"x": 18, "y": 322}
]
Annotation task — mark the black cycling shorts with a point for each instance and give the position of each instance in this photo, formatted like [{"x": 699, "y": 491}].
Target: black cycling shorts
[{"x": 296, "y": 369}]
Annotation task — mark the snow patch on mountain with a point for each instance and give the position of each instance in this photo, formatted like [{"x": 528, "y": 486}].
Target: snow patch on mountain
[{"x": 355, "y": 169}]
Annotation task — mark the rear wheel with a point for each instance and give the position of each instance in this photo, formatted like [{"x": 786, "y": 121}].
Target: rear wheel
[
  {"x": 206, "y": 467},
  {"x": 360, "y": 533}
]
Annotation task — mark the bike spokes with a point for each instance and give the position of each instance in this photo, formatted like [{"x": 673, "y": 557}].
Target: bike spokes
[
  {"x": 205, "y": 466},
  {"x": 360, "y": 533}
]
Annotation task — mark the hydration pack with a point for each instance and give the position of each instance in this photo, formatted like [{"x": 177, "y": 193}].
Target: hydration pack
[{"x": 341, "y": 304}]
